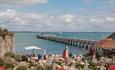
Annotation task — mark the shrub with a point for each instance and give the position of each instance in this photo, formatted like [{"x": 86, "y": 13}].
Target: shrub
[
  {"x": 5, "y": 32},
  {"x": 22, "y": 68},
  {"x": 17, "y": 57},
  {"x": 78, "y": 65},
  {"x": 10, "y": 54},
  {"x": 40, "y": 67},
  {"x": 13, "y": 55},
  {"x": 9, "y": 66},
  {"x": 48, "y": 67},
  {"x": 9, "y": 62},
  {"x": 1, "y": 62}
]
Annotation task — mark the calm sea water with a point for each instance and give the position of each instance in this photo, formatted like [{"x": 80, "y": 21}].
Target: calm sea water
[{"x": 25, "y": 39}]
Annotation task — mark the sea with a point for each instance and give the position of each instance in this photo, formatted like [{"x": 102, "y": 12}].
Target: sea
[{"x": 26, "y": 39}]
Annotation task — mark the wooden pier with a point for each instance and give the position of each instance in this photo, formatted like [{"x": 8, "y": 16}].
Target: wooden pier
[{"x": 74, "y": 42}]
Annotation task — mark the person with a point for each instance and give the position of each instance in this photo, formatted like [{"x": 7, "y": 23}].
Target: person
[
  {"x": 39, "y": 56},
  {"x": 102, "y": 67},
  {"x": 70, "y": 54},
  {"x": 23, "y": 58},
  {"x": 45, "y": 57},
  {"x": 28, "y": 59},
  {"x": 34, "y": 57}
]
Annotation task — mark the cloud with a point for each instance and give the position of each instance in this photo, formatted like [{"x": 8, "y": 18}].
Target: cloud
[
  {"x": 22, "y": 2},
  {"x": 18, "y": 21},
  {"x": 67, "y": 18},
  {"x": 10, "y": 11},
  {"x": 110, "y": 18}
]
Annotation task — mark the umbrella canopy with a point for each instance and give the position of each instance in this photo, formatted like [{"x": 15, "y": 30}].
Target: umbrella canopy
[
  {"x": 33, "y": 48},
  {"x": 2, "y": 68},
  {"x": 112, "y": 67},
  {"x": 65, "y": 52}
]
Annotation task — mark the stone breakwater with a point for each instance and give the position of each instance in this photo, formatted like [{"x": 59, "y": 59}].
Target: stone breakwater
[{"x": 6, "y": 42}]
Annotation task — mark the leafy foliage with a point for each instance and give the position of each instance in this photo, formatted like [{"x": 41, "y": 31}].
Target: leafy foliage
[
  {"x": 10, "y": 54},
  {"x": 5, "y": 32},
  {"x": 1, "y": 62},
  {"x": 40, "y": 67},
  {"x": 48, "y": 67},
  {"x": 22, "y": 68}
]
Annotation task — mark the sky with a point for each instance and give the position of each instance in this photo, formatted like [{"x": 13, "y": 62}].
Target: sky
[{"x": 58, "y": 15}]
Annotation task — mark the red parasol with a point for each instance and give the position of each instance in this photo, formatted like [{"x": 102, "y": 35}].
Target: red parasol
[
  {"x": 112, "y": 67},
  {"x": 65, "y": 53},
  {"x": 60, "y": 68},
  {"x": 2, "y": 68}
]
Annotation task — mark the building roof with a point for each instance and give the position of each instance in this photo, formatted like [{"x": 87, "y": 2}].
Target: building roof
[
  {"x": 112, "y": 36},
  {"x": 106, "y": 43}
]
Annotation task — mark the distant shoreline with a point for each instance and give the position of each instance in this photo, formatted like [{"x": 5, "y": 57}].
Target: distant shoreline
[{"x": 54, "y": 32}]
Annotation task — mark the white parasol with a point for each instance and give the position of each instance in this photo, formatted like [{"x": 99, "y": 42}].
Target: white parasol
[{"x": 33, "y": 48}]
